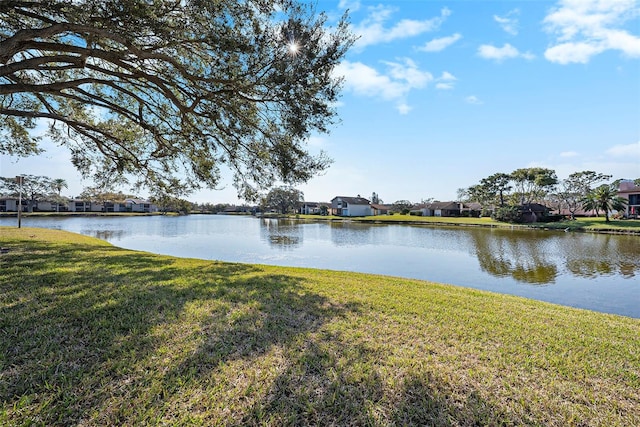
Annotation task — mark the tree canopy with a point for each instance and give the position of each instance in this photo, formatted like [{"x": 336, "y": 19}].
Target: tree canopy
[
  {"x": 168, "y": 92},
  {"x": 32, "y": 187},
  {"x": 532, "y": 184},
  {"x": 576, "y": 187},
  {"x": 284, "y": 199}
]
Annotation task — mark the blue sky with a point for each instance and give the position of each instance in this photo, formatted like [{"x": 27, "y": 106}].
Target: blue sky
[{"x": 440, "y": 94}]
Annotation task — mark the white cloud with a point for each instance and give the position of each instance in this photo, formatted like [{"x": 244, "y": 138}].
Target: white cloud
[
  {"x": 630, "y": 151},
  {"x": 473, "y": 100},
  {"x": 446, "y": 81},
  {"x": 566, "y": 53},
  {"x": 436, "y": 45},
  {"x": 508, "y": 22},
  {"x": 400, "y": 79},
  {"x": 568, "y": 154},
  {"x": 410, "y": 73},
  {"x": 507, "y": 51},
  {"x": 403, "y": 108},
  {"x": 373, "y": 31},
  {"x": 351, "y": 5},
  {"x": 585, "y": 28}
]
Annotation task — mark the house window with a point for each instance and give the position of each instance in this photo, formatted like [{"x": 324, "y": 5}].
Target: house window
[{"x": 634, "y": 199}]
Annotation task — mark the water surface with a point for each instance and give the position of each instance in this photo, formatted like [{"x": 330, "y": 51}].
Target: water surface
[{"x": 592, "y": 271}]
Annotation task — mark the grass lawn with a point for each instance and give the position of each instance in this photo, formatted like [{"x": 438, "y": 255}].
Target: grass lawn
[
  {"x": 91, "y": 334},
  {"x": 580, "y": 224}
]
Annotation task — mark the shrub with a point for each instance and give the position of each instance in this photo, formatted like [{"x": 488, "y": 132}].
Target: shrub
[
  {"x": 554, "y": 218},
  {"x": 509, "y": 214},
  {"x": 486, "y": 212}
]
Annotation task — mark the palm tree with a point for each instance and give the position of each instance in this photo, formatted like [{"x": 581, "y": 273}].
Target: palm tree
[
  {"x": 604, "y": 198},
  {"x": 58, "y": 184}
]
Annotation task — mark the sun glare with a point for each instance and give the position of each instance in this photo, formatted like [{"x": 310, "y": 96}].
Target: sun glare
[{"x": 293, "y": 47}]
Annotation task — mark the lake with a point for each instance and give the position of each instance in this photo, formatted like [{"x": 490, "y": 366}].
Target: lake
[{"x": 593, "y": 271}]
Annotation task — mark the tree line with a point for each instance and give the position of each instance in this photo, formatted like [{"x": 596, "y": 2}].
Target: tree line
[
  {"x": 35, "y": 188},
  {"x": 503, "y": 194}
]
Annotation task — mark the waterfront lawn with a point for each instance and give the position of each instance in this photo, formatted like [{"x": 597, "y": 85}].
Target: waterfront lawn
[
  {"x": 92, "y": 334},
  {"x": 580, "y": 224}
]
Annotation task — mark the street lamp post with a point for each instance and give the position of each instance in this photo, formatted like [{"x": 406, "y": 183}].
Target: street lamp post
[{"x": 20, "y": 181}]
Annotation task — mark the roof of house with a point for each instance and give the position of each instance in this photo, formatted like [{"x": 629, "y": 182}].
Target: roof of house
[
  {"x": 473, "y": 205},
  {"x": 381, "y": 207},
  {"x": 535, "y": 207},
  {"x": 443, "y": 205},
  {"x": 628, "y": 187},
  {"x": 137, "y": 201},
  {"x": 352, "y": 200}
]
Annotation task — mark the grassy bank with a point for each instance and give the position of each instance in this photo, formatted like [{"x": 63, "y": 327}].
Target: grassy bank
[
  {"x": 627, "y": 226},
  {"x": 92, "y": 334}
]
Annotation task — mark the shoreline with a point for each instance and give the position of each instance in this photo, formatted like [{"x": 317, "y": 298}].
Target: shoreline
[
  {"x": 630, "y": 227},
  {"x": 556, "y": 226}
]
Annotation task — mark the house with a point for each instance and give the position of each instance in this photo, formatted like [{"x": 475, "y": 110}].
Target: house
[
  {"x": 140, "y": 205},
  {"x": 233, "y": 209},
  {"x": 44, "y": 206},
  {"x": 10, "y": 204},
  {"x": 533, "y": 212},
  {"x": 472, "y": 209},
  {"x": 631, "y": 192},
  {"x": 578, "y": 212},
  {"x": 78, "y": 205},
  {"x": 440, "y": 209},
  {"x": 379, "y": 209},
  {"x": 313, "y": 208},
  {"x": 350, "y": 206}
]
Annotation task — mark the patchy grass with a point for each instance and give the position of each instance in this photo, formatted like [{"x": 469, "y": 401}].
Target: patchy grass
[{"x": 92, "y": 334}]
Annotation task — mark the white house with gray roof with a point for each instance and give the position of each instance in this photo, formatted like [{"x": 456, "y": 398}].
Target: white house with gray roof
[{"x": 350, "y": 206}]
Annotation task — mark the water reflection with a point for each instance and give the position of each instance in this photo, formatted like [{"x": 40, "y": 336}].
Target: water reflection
[
  {"x": 105, "y": 234},
  {"x": 590, "y": 271},
  {"x": 285, "y": 234},
  {"x": 352, "y": 234},
  {"x": 506, "y": 253},
  {"x": 604, "y": 255}
]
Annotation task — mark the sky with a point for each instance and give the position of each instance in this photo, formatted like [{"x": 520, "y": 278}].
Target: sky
[{"x": 440, "y": 94}]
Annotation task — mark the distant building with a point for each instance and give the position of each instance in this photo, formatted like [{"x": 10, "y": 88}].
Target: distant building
[
  {"x": 380, "y": 209},
  {"x": 533, "y": 212},
  {"x": 440, "y": 209},
  {"x": 309, "y": 208},
  {"x": 10, "y": 204},
  {"x": 350, "y": 206},
  {"x": 140, "y": 205},
  {"x": 631, "y": 192}
]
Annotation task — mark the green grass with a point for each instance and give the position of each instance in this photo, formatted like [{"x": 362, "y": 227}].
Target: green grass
[
  {"x": 91, "y": 334},
  {"x": 580, "y": 224}
]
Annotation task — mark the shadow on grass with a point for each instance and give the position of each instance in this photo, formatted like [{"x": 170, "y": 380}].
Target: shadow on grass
[
  {"x": 85, "y": 329},
  {"x": 332, "y": 382},
  {"x": 103, "y": 336}
]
